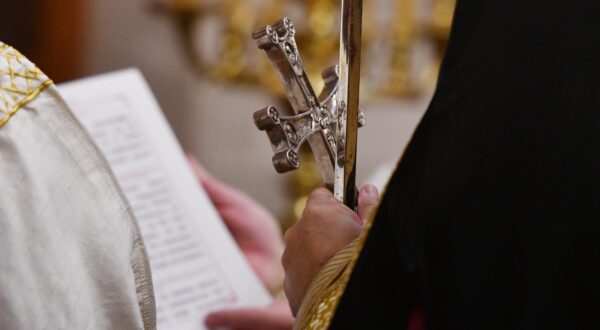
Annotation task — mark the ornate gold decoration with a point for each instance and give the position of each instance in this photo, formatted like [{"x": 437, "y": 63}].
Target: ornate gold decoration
[
  {"x": 393, "y": 40},
  {"x": 20, "y": 82},
  {"x": 224, "y": 54},
  {"x": 403, "y": 35}
]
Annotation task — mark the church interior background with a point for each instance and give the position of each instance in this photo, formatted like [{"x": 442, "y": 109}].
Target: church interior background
[{"x": 201, "y": 63}]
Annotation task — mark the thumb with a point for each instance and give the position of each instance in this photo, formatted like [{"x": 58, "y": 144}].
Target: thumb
[
  {"x": 368, "y": 197},
  {"x": 247, "y": 319}
]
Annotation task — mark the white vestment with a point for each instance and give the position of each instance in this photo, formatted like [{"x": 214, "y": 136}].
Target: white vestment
[{"x": 71, "y": 254}]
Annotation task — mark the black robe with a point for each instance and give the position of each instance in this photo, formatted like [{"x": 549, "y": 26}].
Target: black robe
[{"x": 492, "y": 218}]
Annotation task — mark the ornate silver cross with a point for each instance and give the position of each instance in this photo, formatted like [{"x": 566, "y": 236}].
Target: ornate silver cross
[{"x": 328, "y": 121}]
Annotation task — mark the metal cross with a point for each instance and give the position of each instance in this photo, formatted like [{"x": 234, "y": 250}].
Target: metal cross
[{"x": 328, "y": 121}]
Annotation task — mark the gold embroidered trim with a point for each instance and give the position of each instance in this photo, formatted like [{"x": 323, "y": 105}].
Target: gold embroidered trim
[
  {"x": 325, "y": 292},
  {"x": 20, "y": 82},
  {"x": 321, "y": 297}
]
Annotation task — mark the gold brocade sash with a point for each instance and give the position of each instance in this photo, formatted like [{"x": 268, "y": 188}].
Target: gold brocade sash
[
  {"x": 20, "y": 82},
  {"x": 326, "y": 290},
  {"x": 324, "y": 293}
]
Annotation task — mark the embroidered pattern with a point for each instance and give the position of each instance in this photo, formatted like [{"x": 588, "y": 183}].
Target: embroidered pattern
[
  {"x": 326, "y": 291},
  {"x": 20, "y": 82}
]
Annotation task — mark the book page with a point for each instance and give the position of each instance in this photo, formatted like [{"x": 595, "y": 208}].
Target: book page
[{"x": 196, "y": 265}]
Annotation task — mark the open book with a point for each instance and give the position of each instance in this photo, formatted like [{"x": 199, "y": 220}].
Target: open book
[{"x": 196, "y": 265}]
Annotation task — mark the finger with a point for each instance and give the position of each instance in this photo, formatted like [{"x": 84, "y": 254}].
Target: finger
[
  {"x": 320, "y": 195},
  {"x": 321, "y": 192},
  {"x": 368, "y": 198},
  {"x": 201, "y": 173},
  {"x": 247, "y": 319},
  {"x": 222, "y": 195}
]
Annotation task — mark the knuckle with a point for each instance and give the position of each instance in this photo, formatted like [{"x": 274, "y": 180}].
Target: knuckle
[
  {"x": 308, "y": 214},
  {"x": 289, "y": 235},
  {"x": 319, "y": 192},
  {"x": 285, "y": 260},
  {"x": 369, "y": 203}
]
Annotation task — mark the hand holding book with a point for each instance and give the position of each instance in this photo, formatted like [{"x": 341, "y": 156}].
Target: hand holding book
[
  {"x": 255, "y": 230},
  {"x": 259, "y": 237}
]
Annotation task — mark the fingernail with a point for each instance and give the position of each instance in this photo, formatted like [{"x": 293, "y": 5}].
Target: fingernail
[{"x": 371, "y": 190}]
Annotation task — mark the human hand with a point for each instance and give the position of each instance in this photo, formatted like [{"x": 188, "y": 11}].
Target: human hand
[
  {"x": 258, "y": 235},
  {"x": 326, "y": 227},
  {"x": 277, "y": 316},
  {"x": 254, "y": 229}
]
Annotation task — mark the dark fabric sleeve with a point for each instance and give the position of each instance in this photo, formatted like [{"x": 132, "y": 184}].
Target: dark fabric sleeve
[
  {"x": 491, "y": 219},
  {"x": 383, "y": 289}
]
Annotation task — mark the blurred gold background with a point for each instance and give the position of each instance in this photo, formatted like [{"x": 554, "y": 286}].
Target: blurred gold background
[{"x": 201, "y": 62}]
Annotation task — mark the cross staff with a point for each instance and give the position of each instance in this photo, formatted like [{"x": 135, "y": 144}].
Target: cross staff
[
  {"x": 328, "y": 122},
  {"x": 349, "y": 90}
]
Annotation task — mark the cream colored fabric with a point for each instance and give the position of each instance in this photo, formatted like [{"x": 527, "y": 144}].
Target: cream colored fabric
[{"x": 71, "y": 255}]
